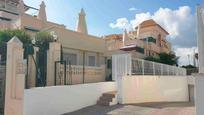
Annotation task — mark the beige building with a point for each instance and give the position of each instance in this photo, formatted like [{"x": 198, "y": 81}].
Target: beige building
[
  {"x": 75, "y": 43},
  {"x": 80, "y": 48},
  {"x": 148, "y": 39}
]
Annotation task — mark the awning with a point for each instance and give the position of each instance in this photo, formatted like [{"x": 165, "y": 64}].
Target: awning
[{"x": 128, "y": 48}]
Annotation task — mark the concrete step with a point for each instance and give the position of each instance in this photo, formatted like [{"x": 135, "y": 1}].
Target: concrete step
[
  {"x": 108, "y": 99},
  {"x": 110, "y": 94},
  {"x": 104, "y": 98},
  {"x": 104, "y": 103}
]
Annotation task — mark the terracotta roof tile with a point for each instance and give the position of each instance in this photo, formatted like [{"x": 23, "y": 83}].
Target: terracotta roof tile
[
  {"x": 114, "y": 37},
  {"x": 149, "y": 23}
]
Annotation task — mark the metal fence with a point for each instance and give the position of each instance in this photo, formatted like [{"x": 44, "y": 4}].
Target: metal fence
[
  {"x": 78, "y": 74},
  {"x": 2, "y": 84},
  {"x": 143, "y": 67}
]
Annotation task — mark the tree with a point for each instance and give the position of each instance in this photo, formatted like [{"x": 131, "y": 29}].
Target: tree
[
  {"x": 42, "y": 41},
  {"x": 154, "y": 59},
  {"x": 6, "y": 35},
  {"x": 170, "y": 59},
  {"x": 190, "y": 69}
]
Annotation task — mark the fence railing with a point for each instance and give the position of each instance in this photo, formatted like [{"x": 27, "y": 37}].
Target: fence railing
[
  {"x": 2, "y": 93},
  {"x": 77, "y": 74},
  {"x": 2, "y": 84},
  {"x": 143, "y": 67}
]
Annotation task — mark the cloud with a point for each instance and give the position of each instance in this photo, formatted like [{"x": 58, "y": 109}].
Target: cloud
[
  {"x": 132, "y": 9},
  {"x": 186, "y": 55},
  {"x": 180, "y": 23},
  {"x": 120, "y": 23}
]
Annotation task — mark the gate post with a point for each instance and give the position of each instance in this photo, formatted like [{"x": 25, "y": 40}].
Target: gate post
[
  {"x": 15, "y": 78},
  {"x": 53, "y": 55}
]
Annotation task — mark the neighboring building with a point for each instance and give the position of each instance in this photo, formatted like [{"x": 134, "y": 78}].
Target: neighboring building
[
  {"x": 149, "y": 39},
  {"x": 78, "y": 46}
]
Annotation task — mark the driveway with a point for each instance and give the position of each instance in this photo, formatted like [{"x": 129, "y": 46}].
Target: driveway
[{"x": 139, "y": 109}]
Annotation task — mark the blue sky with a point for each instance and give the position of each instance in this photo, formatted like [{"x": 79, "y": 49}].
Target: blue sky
[
  {"x": 112, "y": 16},
  {"x": 100, "y": 13}
]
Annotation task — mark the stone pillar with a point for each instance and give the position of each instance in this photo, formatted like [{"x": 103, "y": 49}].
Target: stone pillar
[
  {"x": 53, "y": 55},
  {"x": 15, "y": 78},
  {"x": 32, "y": 69},
  {"x": 199, "y": 84}
]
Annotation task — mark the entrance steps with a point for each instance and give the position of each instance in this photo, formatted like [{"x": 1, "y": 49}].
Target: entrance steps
[{"x": 108, "y": 99}]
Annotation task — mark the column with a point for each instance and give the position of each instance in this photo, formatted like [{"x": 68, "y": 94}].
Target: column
[
  {"x": 15, "y": 78},
  {"x": 199, "y": 85},
  {"x": 53, "y": 55}
]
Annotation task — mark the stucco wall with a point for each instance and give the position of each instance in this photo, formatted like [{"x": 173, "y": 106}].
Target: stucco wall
[
  {"x": 140, "y": 89},
  {"x": 62, "y": 99},
  {"x": 199, "y": 101}
]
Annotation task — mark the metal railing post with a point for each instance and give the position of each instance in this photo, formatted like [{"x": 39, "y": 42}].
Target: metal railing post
[
  {"x": 168, "y": 70},
  {"x": 142, "y": 67},
  {"x": 161, "y": 69},
  {"x": 153, "y": 68}
]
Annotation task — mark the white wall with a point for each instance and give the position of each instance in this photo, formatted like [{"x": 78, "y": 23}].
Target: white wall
[
  {"x": 191, "y": 80},
  {"x": 140, "y": 89},
  {"x": 62, "y": 99}
]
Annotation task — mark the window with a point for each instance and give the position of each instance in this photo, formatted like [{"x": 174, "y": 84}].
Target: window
[
  {"x": 150, "y": 39},
  {"x": 109, "y": 64},
  {"x": 70, "y": 57},
  {"x": 92, "y": 61},
  {"x": 140, "y": 50}
]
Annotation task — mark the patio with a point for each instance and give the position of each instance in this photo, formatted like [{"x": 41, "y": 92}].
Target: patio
[{"x": 139, "y": 109}]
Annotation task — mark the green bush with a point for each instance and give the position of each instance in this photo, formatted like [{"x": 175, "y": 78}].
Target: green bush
[{"x": 6, "y": 35}]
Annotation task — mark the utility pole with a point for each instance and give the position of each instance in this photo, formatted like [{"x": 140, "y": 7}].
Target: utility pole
[
  {"x": 5, "y": 4},
  {"x": 189, "y": 59},
  {"x": 194, "y": 59}
]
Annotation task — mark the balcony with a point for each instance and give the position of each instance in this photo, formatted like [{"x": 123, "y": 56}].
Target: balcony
[
  {"x": 154, "y": 47},
  {"x": 115, "y": 46},
  {"x": 165, "y": 50}
]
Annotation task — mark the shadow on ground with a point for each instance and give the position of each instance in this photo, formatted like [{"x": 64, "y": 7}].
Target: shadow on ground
[{"x": 134, "y": 109}]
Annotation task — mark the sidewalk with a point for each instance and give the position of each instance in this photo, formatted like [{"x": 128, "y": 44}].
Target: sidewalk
[{"x": 139, "y": 109}]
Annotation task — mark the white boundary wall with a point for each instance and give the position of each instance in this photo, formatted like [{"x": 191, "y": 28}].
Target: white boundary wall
[
  {"x": 140, "y": 89},
  {"x": 57, "y": 100}
]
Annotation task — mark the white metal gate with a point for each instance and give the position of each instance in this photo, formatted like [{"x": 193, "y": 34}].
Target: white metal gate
[{"x": 121, "y": 66}]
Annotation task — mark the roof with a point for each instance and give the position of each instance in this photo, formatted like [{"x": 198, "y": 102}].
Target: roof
[
  {"x": 113, "y": 37},
  {"x": 11, "y": 0},
  {"x": 149, "y": 23},
  {"x": 15, "y": 2}
]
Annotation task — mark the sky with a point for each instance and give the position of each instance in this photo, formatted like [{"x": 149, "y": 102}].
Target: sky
[{"x": 113, "y": 16}]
